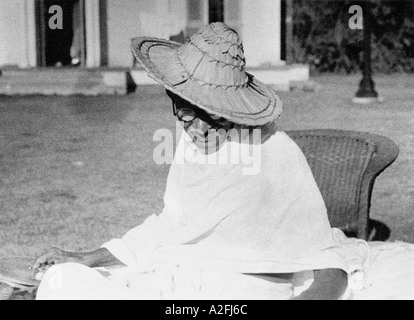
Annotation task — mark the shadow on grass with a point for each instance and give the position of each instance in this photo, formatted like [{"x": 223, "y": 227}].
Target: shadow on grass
[
  {"x": 377, "y": 231},
  {"x": 23, "y": 296}
]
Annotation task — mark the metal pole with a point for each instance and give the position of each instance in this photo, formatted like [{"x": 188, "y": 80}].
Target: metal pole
[
  {"x": 367, "y": 85},
  {"x": 289, "y": 31}
]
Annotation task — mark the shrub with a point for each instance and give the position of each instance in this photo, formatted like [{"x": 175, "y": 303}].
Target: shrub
[{"x": 323, "y": 39}]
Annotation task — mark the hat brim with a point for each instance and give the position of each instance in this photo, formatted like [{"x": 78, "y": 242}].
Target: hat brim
[{"x": 251, "y": 104}]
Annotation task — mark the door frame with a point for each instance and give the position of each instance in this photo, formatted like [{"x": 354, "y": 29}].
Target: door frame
[
  {"x": 94, "y": 33},
  {"x": 41, "y": 25}
]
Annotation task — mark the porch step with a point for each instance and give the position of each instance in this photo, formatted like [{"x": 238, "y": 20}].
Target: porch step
[
  {"x": 118, "y": 81},
  {"x": 280, "y": 78},
  {"x": 65, "y": 81}
]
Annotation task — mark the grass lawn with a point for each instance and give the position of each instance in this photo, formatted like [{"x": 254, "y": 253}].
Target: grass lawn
[{"x": 78, "y": 171}]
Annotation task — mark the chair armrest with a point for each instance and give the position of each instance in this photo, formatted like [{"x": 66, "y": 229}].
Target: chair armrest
[{"x": 386, "y": 152}]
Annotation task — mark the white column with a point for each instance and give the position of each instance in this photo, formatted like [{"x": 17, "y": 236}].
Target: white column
[
  {"x": 197, "y": 15},
  {"x": 93, "y": 41},
  {"x": 232, "y": 14},
  {"x": 177, "y": 15},
  {"x": 16, "y": 41},
  {"x": 261, "y": 32},
  {"x": 30, "y": 33},
  {"x": 170, "y": 17}
]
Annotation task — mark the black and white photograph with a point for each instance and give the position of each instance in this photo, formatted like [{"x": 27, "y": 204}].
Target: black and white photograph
[{"x": 206, "y": 154}]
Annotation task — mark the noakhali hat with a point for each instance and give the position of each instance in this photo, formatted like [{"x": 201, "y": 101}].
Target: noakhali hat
[{"x": 209, "y": 72}]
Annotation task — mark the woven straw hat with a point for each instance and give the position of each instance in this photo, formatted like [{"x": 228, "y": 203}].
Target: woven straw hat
[{"x": 209, "y": 72}]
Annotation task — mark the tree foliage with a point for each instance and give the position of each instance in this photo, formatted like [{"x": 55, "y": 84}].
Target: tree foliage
[{"x": 323, "y": 39}]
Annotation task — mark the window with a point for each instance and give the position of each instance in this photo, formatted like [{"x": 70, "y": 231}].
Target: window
[
  {"x": 216, "y": 11},
  {"x": 202, "y": 12}
]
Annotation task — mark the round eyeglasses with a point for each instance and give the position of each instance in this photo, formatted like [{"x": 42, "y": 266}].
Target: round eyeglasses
[{"x": 186, "y": 114}]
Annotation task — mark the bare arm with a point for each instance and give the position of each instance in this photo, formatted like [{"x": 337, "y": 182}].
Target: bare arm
[
  {"x": 98, "y": 258},
  {"x": 329, "y": 284}
]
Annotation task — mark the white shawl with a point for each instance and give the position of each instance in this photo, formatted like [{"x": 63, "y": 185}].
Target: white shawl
[{"x": 218, "y": 218}]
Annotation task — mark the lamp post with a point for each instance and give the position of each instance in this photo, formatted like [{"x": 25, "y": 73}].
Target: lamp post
[
  {"x": 289, "y": 31},
  {"x": 366, "y": 92}
]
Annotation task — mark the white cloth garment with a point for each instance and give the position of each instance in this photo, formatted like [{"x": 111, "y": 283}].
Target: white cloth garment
[
  {"x": 223, "y": 220},
  {"x": 219, "y": 224},
  {"x": 389, "y": 274}
]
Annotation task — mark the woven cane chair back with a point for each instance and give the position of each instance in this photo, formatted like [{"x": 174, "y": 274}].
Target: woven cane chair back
[{"x": 345, "y": 165}]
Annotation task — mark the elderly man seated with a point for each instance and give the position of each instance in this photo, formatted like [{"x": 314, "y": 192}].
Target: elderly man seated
[{"x": 227, "y": 232}]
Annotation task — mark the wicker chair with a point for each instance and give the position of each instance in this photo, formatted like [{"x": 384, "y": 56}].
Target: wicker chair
[{"x": 345, "y": 165}]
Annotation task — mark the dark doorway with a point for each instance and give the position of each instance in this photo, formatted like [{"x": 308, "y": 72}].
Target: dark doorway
[
  {"x": 283, "y": 43},
  {"x": 65, "y": 46},
  {"x": 216, "y": 11},
  {"x": 287, "y": 39}
]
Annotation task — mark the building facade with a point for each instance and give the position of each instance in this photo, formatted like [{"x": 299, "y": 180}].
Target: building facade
[
  {"x": 71, "y": 37},
  {"x": 103, "y": 28}
]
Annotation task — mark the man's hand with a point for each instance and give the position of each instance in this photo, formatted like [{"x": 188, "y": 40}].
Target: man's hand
[
  {"x": 52, "y": 257},
  {"x": 55, "y": 256},
  {"x": 99, "y": 258}
]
